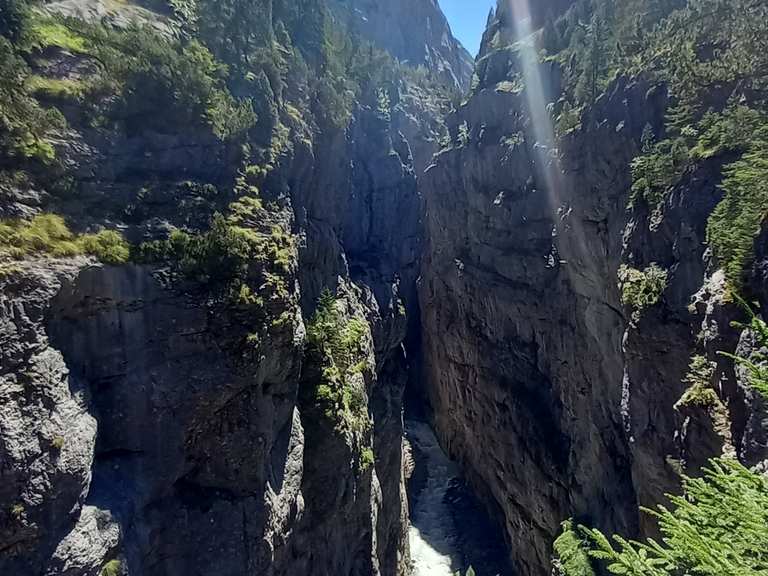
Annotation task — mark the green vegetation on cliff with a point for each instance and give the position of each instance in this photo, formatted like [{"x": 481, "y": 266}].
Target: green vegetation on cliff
[
  {"x": 739, "y": 218},
  {"x": 641, "y": 288},
  {"x": 148, "y": 81},
  {"x": 242, "y": 247},
  {"x": 700, "y": 392},
  {"x": 338, "y": 344},
  {"x": 338, "y": 367},
  {"x": 112, "y": 568},
  {"x": 25, "y": 126},
  {"x": 145, "y": 81},
  {"x": 712, "y": 57},
  {"x": 48, "y": 234}
]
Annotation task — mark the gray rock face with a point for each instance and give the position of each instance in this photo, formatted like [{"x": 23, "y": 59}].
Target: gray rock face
[
  {"x": 194, "y": 432},
  {"x": 198, "y": 442},
  {"x": 522, "y": 334},
  {"x": 148, "y": 426},
  {"x": 96, "y": 536},
  {"x": 558, "y": 400},
  {"x": 47, "y": 432},
  {"x": 413, "y": 31},
  {"x": 361, "y": 219}
]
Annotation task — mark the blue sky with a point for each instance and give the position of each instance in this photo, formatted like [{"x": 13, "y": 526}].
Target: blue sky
[{"x": 467, "y": 19}]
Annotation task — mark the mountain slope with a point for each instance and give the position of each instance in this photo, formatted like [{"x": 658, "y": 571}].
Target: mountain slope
[{"x": 415, "y": 32}]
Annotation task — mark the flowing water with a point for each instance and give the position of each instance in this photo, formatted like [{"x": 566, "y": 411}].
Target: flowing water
[{"x": 448, "y": 532}]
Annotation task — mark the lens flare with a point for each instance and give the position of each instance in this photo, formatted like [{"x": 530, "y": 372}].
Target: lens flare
[{"x": 538, "y": 97}]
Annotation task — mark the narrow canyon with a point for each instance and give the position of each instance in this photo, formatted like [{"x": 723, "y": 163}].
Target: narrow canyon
[{"x": 299, "y": 287}]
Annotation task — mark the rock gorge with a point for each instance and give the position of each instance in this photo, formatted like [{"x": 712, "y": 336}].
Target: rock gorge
[{"x": 229, "y": 400}]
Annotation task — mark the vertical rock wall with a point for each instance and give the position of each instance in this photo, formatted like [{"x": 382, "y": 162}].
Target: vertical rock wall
[
  {"x": 558, "y": 399},
  {"x": 148, "y": 425}
]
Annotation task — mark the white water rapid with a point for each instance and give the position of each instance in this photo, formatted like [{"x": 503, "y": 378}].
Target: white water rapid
[{"x": 432, "y": 537}]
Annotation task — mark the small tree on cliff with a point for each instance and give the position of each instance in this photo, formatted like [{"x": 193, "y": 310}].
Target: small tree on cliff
[{"x": 719, "y": 527}]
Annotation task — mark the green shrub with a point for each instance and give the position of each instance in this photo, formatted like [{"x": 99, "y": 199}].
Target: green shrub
[
  {"x": 24, "y": 126},
  {"x": 281, "y": 249},
  {"x": 49, "y": 234},
  {"x": 367, "y": 458},
  {"x": 17, "y": 511},
  {"x": 45, "y": 233},
  {"x": 571, "y": 553},
  {"x": 699, "y": 380},
  {"x": 112, "y": 568},
  {"x": 719, "y": 527},
  {"x": 224, "y": 256},
  {"x": 108, "y": 246},
  {"x": 641, "y": 289},
  {"x": 568, "y": 120},
  {"x": 658, "y": 169},
  {"x": 218, "y": 258}
]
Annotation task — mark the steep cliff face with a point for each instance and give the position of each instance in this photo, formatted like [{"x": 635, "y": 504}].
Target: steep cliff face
[
  {"x": 179, "y": 413},
  {"x": 559, "y": 398},
  {"x": 522, "y": 332}
]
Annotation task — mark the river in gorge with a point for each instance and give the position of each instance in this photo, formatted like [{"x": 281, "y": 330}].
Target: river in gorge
[{"x": 449, "y": 531}]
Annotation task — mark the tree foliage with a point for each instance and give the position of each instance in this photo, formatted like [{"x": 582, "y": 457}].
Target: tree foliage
[
  {"x": 738, "y": 219},
  {"x": 571, "y": 554},
  {"x": 25, "y": 126},
  {"x": 718, "y": 527},
  {"x": 14, "y": 18},
  {"x": 163, "y": 85}
]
